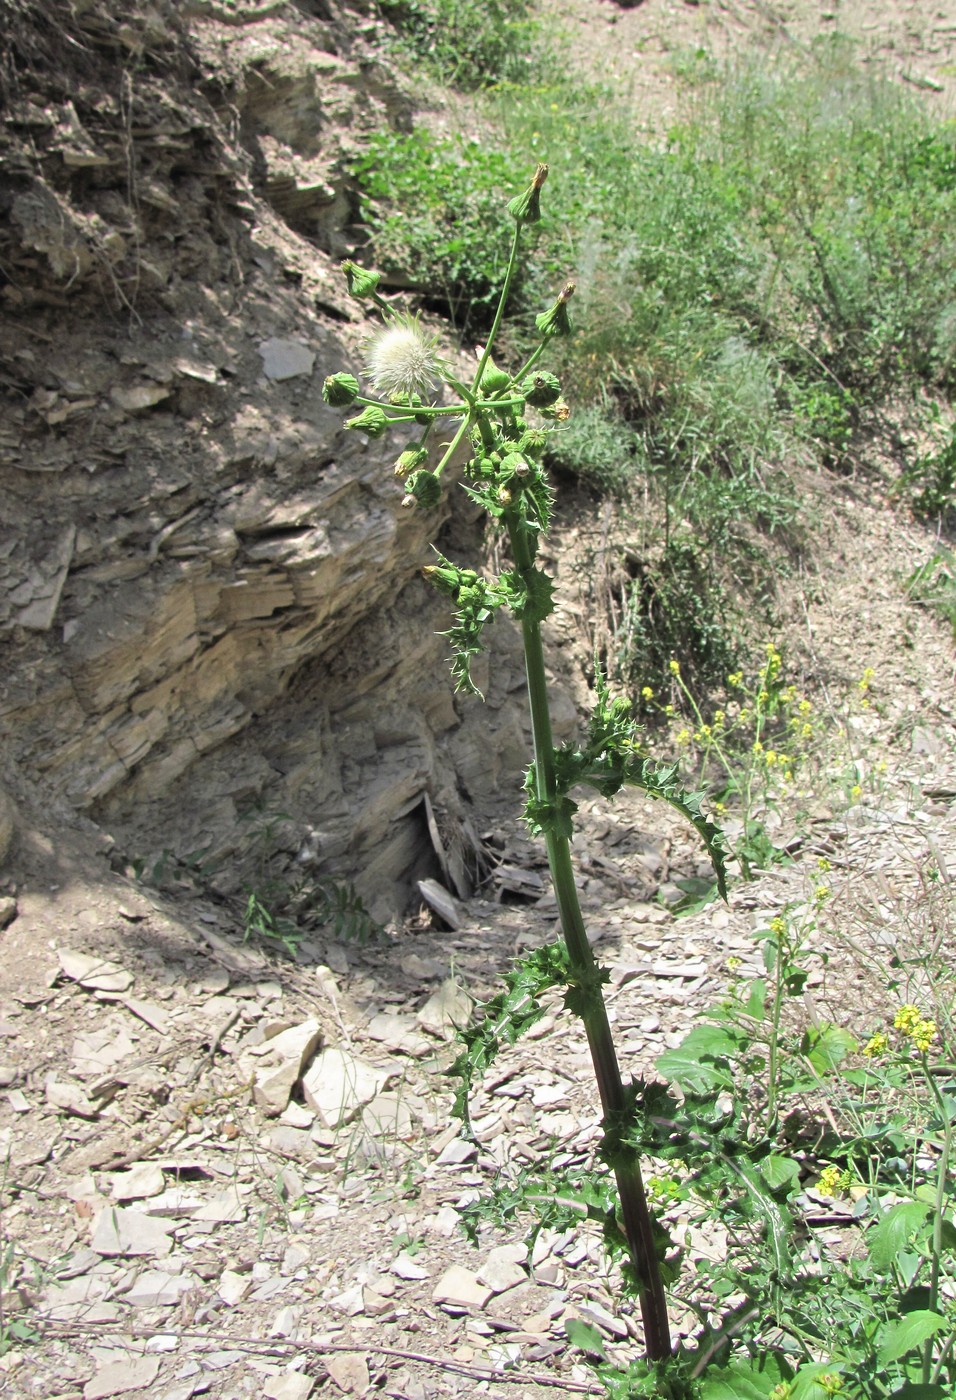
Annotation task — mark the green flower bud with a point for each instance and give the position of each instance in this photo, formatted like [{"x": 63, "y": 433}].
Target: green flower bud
[
  {"x": 526, "y": 207},
  {"x": 494, "y": 380},
  {"x": 371, "y": 420},
  {"x": 533, "y": 441},
  {"x": 425, "y": 488},
  {"x": 340, "y": 390},
  {"x": 361, "y": 284},
  {"x": 514, "y": 465},
  {"x": 540, "y": 389},
  {"x": 556, "y": 321},
  {"x": 411, "y": 458},
  {"x": 449, "y": 579}
]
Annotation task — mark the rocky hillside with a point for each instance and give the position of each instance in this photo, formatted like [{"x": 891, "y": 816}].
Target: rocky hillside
[{"x": 203, "y": 580}]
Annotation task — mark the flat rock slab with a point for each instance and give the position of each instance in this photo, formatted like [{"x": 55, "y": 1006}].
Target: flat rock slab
[
  {"x": 276, "y": 1065},
  {"x": 285, "y": 359},
  {"x": 94, "y": 973},
  {"x": 338, "y": 1084},
  {"x": 118, "y": 1377},
  {"x": 446, "y": 1010},
  {"x": 398, "y": 1033},
  {"x": 349, "y": 1371},
  {"x": 119, "y": 1232},
  {"x": 155, "y": 1289},
  {"x": 460, "y": 1288},
  {"x": 292, "y": 1386},
  {"x": 502, "y": 1269},
  {"x": 143, "y": 1181}
]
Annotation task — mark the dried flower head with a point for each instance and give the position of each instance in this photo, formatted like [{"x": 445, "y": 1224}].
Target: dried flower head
[{"x": 401, "y": 358}]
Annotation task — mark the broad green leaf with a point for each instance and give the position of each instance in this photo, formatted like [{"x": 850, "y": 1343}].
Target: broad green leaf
[
  {"x": 893, "y": 1231},
  {"x": 826, "y": 1045},
  {"x": 585, "y": 1337},
  {"x": 806, "y": 1383},
  {"x": 752, "y": 1379},
  {"x": 908, "y": 1334},
  {"x": 779, "y": 1171},
  {"x": 756, "y": 999},
  {"x": 696, "y": 1065}
]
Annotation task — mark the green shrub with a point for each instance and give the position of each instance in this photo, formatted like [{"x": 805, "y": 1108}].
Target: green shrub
[
  {"x": 468, "y": 44},
  {"x": 430, "y": 205},
  {"x": 596, "y": 447}
]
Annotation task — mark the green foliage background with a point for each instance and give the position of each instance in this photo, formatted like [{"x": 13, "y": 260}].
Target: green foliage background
[{"x": 752, "y": 285}]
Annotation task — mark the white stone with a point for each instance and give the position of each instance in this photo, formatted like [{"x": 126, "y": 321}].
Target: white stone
[
  {"x": 118, "y": 1377},
  {"x": 233, "y": 1287},
  {"x": 502, "y": 1269},
  {"x": 337, "y": 1084},
  {"x": 459, "y": 1288},
  {"x": 404, "y": 1266},
  {"x": 446, "y": 1010},
  {"x": 293, "y": 1385},
  {"x": 155, "y": 1289},
  {"x": 120, "y": 1232},
  {"x": 94, "y": 973},
  {"x": 143, "y": 1181}
]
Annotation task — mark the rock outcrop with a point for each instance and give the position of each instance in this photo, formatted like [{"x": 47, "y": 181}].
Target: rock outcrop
[{"x": 210, "y": 610}]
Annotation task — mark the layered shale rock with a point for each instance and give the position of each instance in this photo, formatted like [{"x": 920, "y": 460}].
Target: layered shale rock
[{"x": 210, "y": 609}]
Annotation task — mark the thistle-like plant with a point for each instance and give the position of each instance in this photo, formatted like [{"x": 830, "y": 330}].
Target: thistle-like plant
[{"x": 505, "y": 417}]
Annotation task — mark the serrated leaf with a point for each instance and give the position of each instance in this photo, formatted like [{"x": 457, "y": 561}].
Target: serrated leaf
[{"x": 909, "y": 1333}]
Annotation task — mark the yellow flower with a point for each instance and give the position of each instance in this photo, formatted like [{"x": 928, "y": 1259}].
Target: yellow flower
[
  {"x": 833, "y": 1180},
  {"x": 856, "y": 792},
  {"x": 823, "y": 864},
  {"x": 733, "y": 964},
  {"x": 805, "y": 707},
  {"x": 907, "y": 1018},
  {"x": 770, "y": 758},
  {"x": 682, "y": 738},
  {"x": 778, "y": 926},
  {"x": 674, "y": 667},
  {"x": 735, "y": 678},
  {"x": 923, "y": 1035},
  {"x": 758, "y": 747},
  {"x": 647, "y": 693},
  {"x": 719, "y": 718},
  {"x": 876, "y": 1045},
  {"x": 821, "y": 893}
]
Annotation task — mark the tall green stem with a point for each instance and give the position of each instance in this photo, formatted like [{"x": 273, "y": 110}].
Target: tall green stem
[
  {"x": 635, "y": 1215},
  {"x": 939, "y": 1208}
]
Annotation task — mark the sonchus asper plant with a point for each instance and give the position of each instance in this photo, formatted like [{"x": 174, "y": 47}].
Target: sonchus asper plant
[{"x": 504, "y": 418}]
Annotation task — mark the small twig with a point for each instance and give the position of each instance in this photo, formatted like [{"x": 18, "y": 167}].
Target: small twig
[{"x": 278, "y": 1348}]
